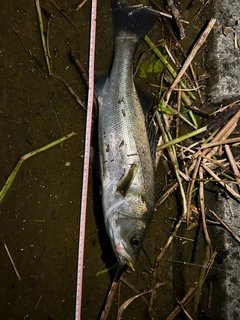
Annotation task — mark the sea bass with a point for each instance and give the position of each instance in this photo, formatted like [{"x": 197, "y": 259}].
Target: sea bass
[{"x": 126, "y": 161}]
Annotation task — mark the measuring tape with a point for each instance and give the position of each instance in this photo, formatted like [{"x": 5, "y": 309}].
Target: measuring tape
[{"x": 86, "y": 162}]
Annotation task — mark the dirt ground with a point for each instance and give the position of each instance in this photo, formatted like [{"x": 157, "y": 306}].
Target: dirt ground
[{"x": 40, "y": 213}]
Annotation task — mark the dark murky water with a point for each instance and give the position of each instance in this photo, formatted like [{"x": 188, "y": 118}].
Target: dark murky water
[{"x": 40, "y": 213}]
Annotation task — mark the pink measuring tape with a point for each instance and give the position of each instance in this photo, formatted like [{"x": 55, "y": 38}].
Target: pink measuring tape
[{"x": 86, "y": 162}]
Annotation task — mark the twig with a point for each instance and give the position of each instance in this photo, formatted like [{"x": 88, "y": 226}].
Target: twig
[
  {"x": 49, "y": 17},
  {"x": 47, "y": 58},
  {"x": 217, "y": 143},
  {"x": 84, "y": 75},
  {"x": 187, "y": 315},
  {"x": 63, "y": 13},
  {"x": 202, "y": 275},
  {"x": 170, "y": 190},
  {"x": 173, "y": 158},
  {"x": 83, "y": 72},
  {"x": 81, "y": 5},
  {"x": 189, "y": 59},
  {"x": 111, "y": 294},
  {"x": 177, "y": 112},
  {"x": 221, "y": 135},
  {"x": 159, "y": 153},
  {"x": 202, "y": 7},
  {"x": 233, "y": 164},
  {"x": 177, "y": 120},
  {"x": 133, "y": 288},
  {"x": 183, "y": 301},
  {"x": 196, "y": 164},
  {"x": 12, "y": 176},
  {"x": 217, "y": 121},
  {"x": 176, "y": 17},
  {"x": 225, "y": 132},
  {"x": 10, "y": 257},
  {"x": 226, "y": 226},
  {"x": 229, "y": 189},
  {"x": 159, "y": 257},
  {"x": 76, "y": 97},
  {"x": 225, "y": 107},
  {"x": 171, "y": 70},
  {"x": 177, "y": 89},
  {"x": 127, "y": 302},
  {"x": 202, "y": 208},
  {"x": 37, "y": 304}
]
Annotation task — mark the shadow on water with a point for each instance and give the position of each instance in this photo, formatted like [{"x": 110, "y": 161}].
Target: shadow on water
[{"x": 108, "y": 255}]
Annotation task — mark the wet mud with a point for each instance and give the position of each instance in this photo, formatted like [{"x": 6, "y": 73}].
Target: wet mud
[{"x": 40, "y": 213}]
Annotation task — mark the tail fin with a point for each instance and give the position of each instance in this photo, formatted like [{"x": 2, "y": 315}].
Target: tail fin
[{"x": 132, "y": 20}]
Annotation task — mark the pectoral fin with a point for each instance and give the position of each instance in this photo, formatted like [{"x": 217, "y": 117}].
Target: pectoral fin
[{"x": 126, "y": 180}]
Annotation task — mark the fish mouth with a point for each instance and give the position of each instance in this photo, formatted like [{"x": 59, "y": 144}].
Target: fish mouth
[
  {"x": 130, "y": 265},
  {"x": 123, "y": 256}
]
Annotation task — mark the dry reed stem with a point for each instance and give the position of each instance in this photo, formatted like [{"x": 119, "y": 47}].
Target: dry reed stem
[
  {"x": 225, "y": 107},
  {"x": 202, "y": 207},
  {"x": 159, "y": 153},
  {"x": 183, "y": 301},
  {"x": 81, "y": 5},
  {"x": 159, "y": 257},
  {"x": 217, "y": 143},
  {"x": 226, "y": 226},
  {"x": 63, "y": 13},
  {"x": 111, "y": 294},
  {"x": 187, "y": 315},
  {"x": 37, "y": 304},
  {"x": 208, "y": 245},
  {"x": 190, "y": 188},
  {"x": 170, "y": 190},
  {"x": 208, "y": 262},
  {"x": 133, "y": 288},
  {"x": 176, "y": 17},
  {"x": 177, "y": 120},
  {"x": 11, "y": 260},
  {"x": 233, "y": 164},
  {"x": 189, "y": 59},
  {"x": 172, "y": 155},
  {"x": 127, "y": 302},
  {"x": 229, "y": 189},
  {"x": 221, "y": 135}
]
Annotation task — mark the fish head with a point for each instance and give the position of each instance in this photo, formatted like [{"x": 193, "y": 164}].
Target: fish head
[
  {"x": 128, "y": 240},
  {"x": 127, "y": 225}
]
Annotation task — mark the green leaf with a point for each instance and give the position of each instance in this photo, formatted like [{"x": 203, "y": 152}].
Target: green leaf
[
  {"x": 158, "y": 66},
  {"x": 115, "y": 266},
  {"x": 145, "y": 68},
  {"x": 166, "y": 110}
]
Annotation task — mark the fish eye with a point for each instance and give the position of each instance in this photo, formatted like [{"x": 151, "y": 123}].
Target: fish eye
[{"x": 135, "y": 242}]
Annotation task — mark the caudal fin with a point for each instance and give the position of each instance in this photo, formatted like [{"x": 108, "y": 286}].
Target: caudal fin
[{"x": 133, "y": 20}]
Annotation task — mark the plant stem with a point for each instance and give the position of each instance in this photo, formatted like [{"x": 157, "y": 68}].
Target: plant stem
[
  {"x": 180, "y": 139},
  {"x": 12, "y": 176},
  {"x": 40, "y": 21},
  {"x": 171, "y": 70}
]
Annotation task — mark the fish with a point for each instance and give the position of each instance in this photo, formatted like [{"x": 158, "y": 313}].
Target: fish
[{"x": 125, "y": 143}]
